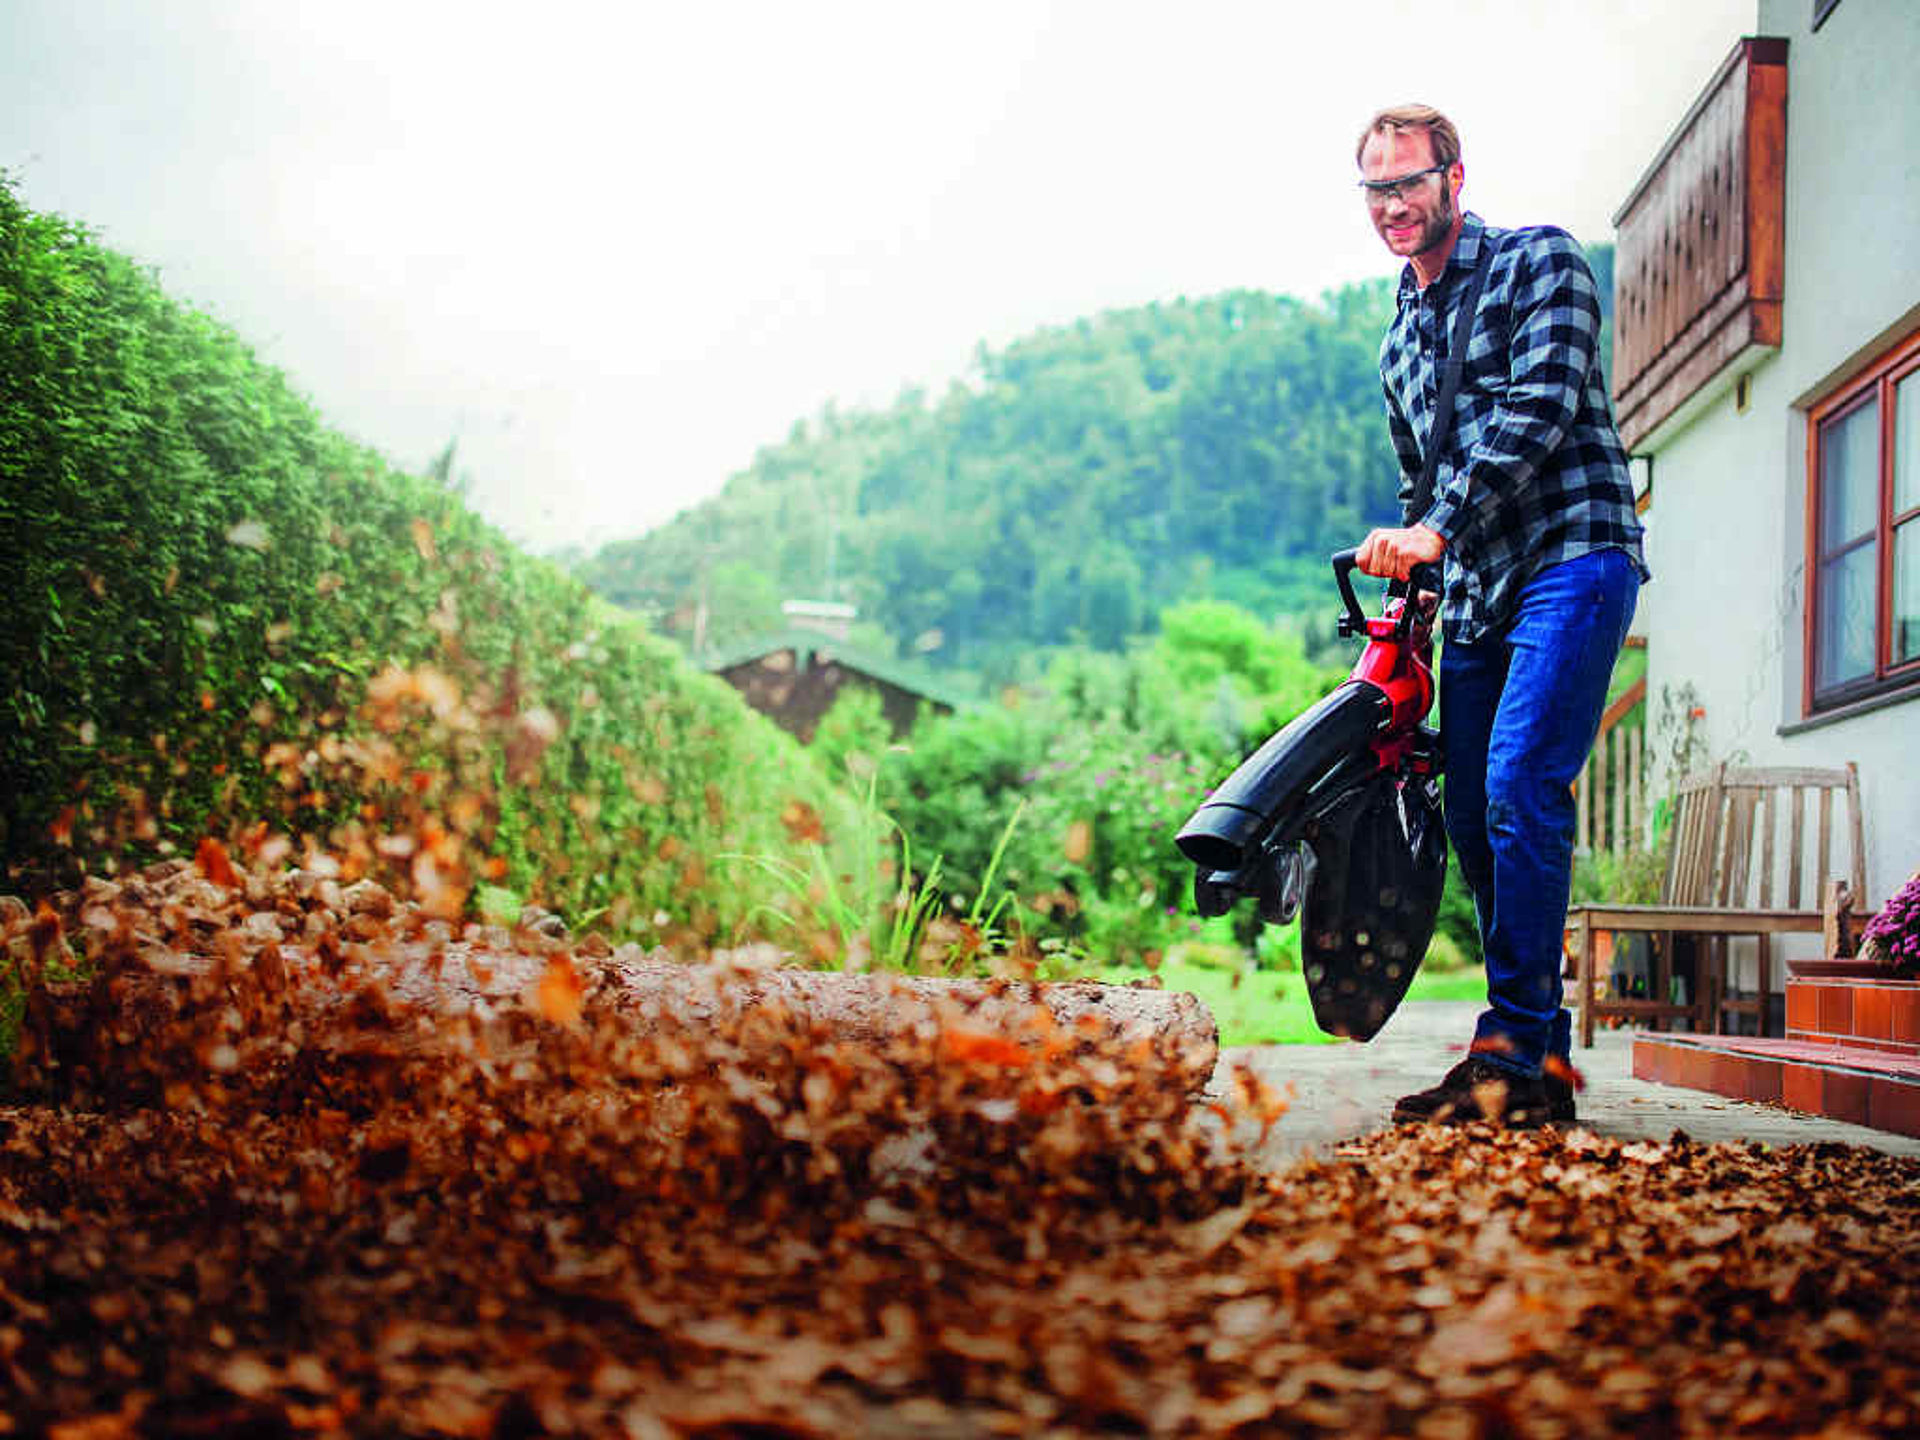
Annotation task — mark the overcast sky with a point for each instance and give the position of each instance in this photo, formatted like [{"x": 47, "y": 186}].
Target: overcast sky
[{"x": 616, "y": 248}]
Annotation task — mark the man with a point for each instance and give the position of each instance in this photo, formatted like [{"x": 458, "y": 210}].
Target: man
[{"x": 1531, "y": 515}]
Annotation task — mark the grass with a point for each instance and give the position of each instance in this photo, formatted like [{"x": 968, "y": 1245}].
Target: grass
[{"x": 1268, "y": 1007}]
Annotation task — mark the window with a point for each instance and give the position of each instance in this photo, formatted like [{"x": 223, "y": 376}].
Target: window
[{"x": 1863, "y": 525}]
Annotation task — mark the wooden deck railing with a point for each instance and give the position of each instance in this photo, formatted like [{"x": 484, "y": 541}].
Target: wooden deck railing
[
  {"x": 1610, "y": 797},
  {"x": 1700, "y": 268}
]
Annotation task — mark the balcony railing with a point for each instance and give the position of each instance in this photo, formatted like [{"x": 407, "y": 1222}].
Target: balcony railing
[{"x": 1701, "y": 253}]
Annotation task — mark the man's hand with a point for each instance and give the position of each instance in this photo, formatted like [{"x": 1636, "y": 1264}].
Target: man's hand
[{"x": 1390, "y": 554}]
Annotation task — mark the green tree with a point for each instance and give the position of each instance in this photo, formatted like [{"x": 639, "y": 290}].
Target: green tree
[{"x": 1084, "y": 478}]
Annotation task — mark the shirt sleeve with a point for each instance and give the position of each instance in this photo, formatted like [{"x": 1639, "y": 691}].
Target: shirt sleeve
[{"x": 1552, "y": 347}]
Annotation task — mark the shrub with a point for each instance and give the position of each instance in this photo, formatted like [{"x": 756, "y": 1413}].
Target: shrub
[
  {"x": 853, "y": 734},
  {"x": 1445, "y": 955},
  {"x": 1110, "y": 754},
  {"x": 1633, "y": 877},
  {"x": 227, "y": 619},
  {"x": 1459, "y": 922}
]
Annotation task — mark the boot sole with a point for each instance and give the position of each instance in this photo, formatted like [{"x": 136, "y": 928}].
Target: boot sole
[{"x": 1468, "y": 1115}]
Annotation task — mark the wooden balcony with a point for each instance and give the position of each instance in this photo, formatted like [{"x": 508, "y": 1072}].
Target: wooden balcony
[{"x": 1701, "y": 251}]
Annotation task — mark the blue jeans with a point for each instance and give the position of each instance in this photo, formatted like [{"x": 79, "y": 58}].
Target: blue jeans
[{"x": 1519, "y": 710}]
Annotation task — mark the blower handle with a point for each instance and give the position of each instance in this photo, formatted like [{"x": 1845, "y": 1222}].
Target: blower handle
[
  {"x": 1354, "y": 621},
  {"x": 1425, "y": 576}
]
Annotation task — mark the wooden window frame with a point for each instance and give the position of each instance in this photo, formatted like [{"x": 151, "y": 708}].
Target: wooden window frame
[{"x": 1873, "y": 386}]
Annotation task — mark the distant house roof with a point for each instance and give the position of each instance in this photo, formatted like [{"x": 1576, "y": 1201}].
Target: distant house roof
[
  {"x": 820, "y": 609},
  {"x": 826, "y": 617},
  {"x": 793, "y": 675}
]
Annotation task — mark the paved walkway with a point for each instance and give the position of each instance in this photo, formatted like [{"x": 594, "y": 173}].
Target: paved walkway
[{"x": 1345, "y": 1090}]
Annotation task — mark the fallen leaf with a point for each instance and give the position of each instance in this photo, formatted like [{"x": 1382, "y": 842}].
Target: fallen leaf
[
  {"x": 561, "y": 994},
  {"x": 211, "y": 858}
]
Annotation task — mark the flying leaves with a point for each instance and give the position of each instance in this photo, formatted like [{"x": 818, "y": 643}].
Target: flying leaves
[
  {"x": 422, "y": 532},
  {"x": 560, "y": 993},
  {"x": 250, "y": 534},
  {"x": 307, "y": 1159},
  {"x": 1078, "y": 844},
  {"x": 211, "y": 859}
]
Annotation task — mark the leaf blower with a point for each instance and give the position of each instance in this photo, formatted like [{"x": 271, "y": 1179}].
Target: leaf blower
[{"x": 1338, "y": 815}]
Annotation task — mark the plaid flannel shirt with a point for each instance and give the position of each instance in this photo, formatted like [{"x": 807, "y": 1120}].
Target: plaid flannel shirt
[{"x": 1533, "y": 472}]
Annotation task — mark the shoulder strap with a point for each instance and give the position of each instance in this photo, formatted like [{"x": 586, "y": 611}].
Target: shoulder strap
[{"x": 1450, "y": 384}]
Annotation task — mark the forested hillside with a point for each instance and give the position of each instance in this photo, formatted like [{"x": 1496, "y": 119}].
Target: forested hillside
[{"x": 1081, "y": 481}]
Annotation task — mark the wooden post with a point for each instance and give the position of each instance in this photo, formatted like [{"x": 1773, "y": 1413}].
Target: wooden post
[
  {"x": 1825, "y": 870},
  {"x": 1856, "y": 836},
  {"x": 1797, "y": 848},
  {"x": 1583, "y": 971},
  {"x": 1766, "y": 985},
  {"x": 1620, "y": 772},
  {"x": 1836, "y": 900},
  {"x": 1637, "y": 804},
  {"x": 1603, "y": 782},
  {"x": 1711, "y": 956},
  {"x": 1660, "y": 987}
]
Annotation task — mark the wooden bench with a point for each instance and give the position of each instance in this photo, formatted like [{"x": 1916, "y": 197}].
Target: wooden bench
[{"x": 1746, "y": 860}]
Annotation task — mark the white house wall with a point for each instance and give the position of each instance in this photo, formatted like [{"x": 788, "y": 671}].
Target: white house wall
[
  {"x": 1853, "y": 178},
  {"x": 1714, "y": 610},
  {"x": 1727, "y": 527}
]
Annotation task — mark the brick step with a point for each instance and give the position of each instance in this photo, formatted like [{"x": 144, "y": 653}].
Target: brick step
[
  {"x": 1880, "y": 1014},
  {"x": 1854, "y": 1083}
]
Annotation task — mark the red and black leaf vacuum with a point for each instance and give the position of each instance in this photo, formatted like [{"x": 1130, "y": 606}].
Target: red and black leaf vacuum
[{"x": 1337, "y": 818}]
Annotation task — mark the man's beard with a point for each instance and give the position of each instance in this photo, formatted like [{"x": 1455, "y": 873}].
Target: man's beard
[{"x": 1439, "y": 223}]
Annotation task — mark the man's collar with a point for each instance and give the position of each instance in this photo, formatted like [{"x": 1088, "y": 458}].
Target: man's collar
[
  {"x": 1466, "y": 250},
  {"x": 1464, "y": 256}
]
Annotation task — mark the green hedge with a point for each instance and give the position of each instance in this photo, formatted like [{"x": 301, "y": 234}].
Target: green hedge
[{"x": 202, "y": 582}]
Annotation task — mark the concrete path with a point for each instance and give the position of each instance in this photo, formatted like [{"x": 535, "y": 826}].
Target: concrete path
[{"x": 1345, "y": 1090}]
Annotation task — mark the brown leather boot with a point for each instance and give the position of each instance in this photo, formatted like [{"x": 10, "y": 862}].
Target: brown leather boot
[
  {"x": 1477, "y": 1089},
  {"x": 1559, "y": 1090}
]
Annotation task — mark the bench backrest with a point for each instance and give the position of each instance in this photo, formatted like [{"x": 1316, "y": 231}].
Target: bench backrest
[{"x": 1763, "y": 838}]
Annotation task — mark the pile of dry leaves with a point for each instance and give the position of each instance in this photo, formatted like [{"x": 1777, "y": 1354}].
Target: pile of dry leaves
[{"x": 304, "y": 1160}]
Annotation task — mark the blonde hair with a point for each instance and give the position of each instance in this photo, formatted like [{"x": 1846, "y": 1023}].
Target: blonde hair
[{"x": 1446, "y": 139}]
